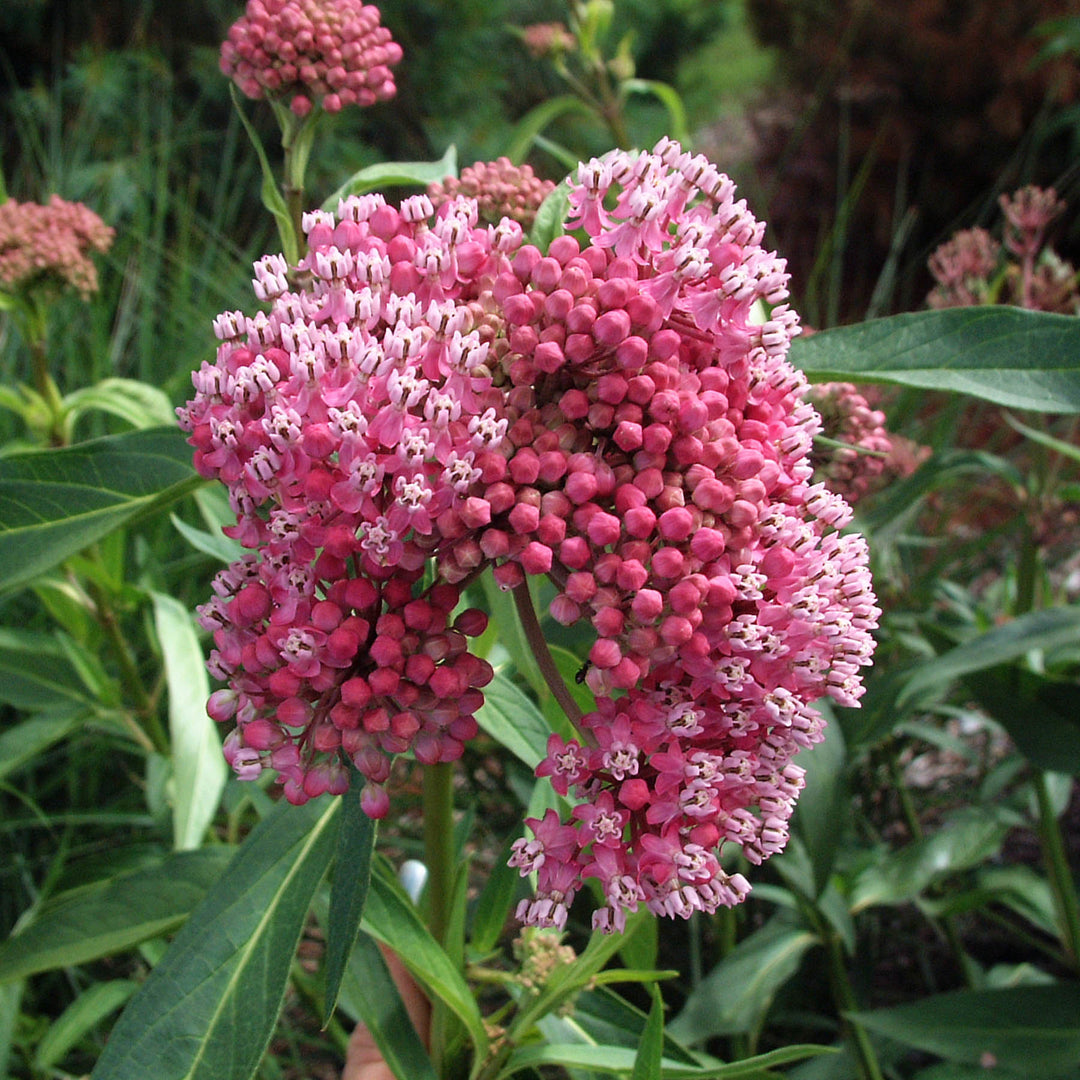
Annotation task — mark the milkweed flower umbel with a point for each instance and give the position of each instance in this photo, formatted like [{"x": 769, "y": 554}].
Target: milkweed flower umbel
[
  {"x": 48, "y": 248},
  {"x": 500, "y": 188},
  {"x": 331, "y": 53},
  {"x": 611, "y": 413}
]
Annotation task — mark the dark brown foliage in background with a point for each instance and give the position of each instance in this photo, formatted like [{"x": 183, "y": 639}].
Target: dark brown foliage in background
[{"x": 947, "y": 97}]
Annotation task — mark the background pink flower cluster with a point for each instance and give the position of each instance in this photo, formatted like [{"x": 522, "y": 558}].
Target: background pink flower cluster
[
  {"x": 48, "y": 247},
  {"x": 616, "y": 413},
  {"x": 312, "y": 52}
]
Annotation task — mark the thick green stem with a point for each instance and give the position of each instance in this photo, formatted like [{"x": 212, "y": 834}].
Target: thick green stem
[
  {"x": 294, "y": 200},
  {"x": 439, "y": 844},
  {"x": 1027, "y": 572},
  {"x": 33, "y": 325},
  {"x": 844, "y": 995},
  {"x": 130, "y": 680},
  {"x": 438, "y": 802},
  {"x": 1062, "y": 885},
  {"x": 544, "y": 660}
]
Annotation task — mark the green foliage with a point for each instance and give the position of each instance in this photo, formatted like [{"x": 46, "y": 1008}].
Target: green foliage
[
  {"x": 224, "y": 975},
  {"x": 1029, "y": 1029},
  {"x": 1016, "y": 358},
  {"x": 54, "y": 503}
]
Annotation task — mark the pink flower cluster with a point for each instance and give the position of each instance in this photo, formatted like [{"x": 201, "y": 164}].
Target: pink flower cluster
[
  {"x": 329, "y": 52},
  {"x": 500, "y": 188},
  {"x": 865, "y": 460},
  {"x": 48, "y": 247},
  {"x": 962, "y": 268},
  {"x": 970, "y": 269},
  {"x": 616, "y": 413},
  {"x": 547, "y": 38},
  {"x": 1029, "y": 212}
]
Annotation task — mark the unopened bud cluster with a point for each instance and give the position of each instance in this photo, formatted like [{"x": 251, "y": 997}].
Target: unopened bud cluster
[
  {"x": 609, "y": 413},
  {"x": 48, "y": 247},
  {"x": 500, "y": 188},
  {"x": 865, "y": 460},
  {"x": 332, "y": 53}
]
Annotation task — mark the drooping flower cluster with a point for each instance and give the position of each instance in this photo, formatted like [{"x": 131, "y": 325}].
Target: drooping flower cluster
[
  {"x": 866, "y": 458},
  {"x": 331, "y": 53},
  {"x": 48, "y": 247},
  {"x": 973, "y": 268},
  {"x": 500, "y": 188},
  {"x": 962, "y": 268},
  {"x": 612, "y": 413},
  {"x": 547, "y": 39}
]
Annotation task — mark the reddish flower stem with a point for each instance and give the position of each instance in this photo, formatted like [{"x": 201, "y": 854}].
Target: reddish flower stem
[{"x": 544, "y": 660}]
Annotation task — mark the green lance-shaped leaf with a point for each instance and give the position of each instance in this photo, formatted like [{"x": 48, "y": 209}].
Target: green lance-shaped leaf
[
  {"x": 93, "y": 1005},
  {"x": 209, "y": 1008},
  {"x": 512, "y": 719},
  {"x": 21, "y": 743},
  {"x": 1042, "y": 714},
  {"x": 391, "y": 918},
  {"x": 968, "y": 838},
  {"x": 551, "y": 217},
  {"x": 368, "y": 985},
  {"x": 1017, "y": 358},
  {"x": 608, "y": 1060},
  {"x": 821, "y": 809},
  {"x": 492, "y": 907},
  {"x": 348, "y": 893},
  {"x": 1041, "y": 630},
  {"x": 1045, "y": 630},
  {"x": 537, "y": 119},
  {"x": 647, "y": 1063},
  {"x": 113, "y": 915},
  {"x": 54, "y": 503},
  {"x": 136, "y": 403},
  {"x": 1032, "y": 1029},
  {"x": 737, "y": 993},
  {"x": 198, "y": 765},
  {"x": 606, "y": 1017},
  {"x": 511, "y": 634},
  {"x": 35, "y": 676},
  {"x": 395, "y": 174},
  {"x": 669, "y": 97}
]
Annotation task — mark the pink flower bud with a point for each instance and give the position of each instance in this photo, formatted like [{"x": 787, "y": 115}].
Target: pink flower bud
[
  {"x": 536, "y": 558},
  {"x": 634, "y": 794},
  {"x": 374, "y": 801},
  {"x": 605, "y": 653}
]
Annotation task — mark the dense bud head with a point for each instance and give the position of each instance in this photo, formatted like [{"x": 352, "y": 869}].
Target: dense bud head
[
  {"x": 45, "y": 250},
  {"x": 330, "y": 53},
  {"x": 440, "y": 399}
]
